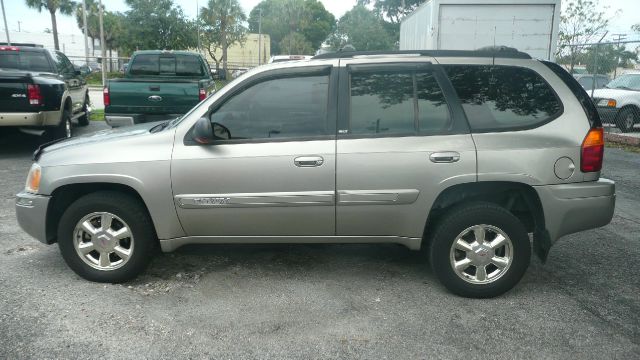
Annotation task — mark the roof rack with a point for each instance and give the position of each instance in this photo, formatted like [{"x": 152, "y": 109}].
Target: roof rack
[{"x": 490, "y": 52}]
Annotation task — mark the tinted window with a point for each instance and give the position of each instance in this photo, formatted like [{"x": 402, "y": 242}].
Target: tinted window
[
  {"x": 503, "y": 97},
  {"x": 63, "y": 63},
  {"x": 24, "y": 60},
  {"x": 167, "y": 64},
  {"x": 397, "y": 103},
  {"x": 279, "y": 108}
]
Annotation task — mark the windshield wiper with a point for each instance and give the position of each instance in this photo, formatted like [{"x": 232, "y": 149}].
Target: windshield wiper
[{"x": 159, "y": 127}]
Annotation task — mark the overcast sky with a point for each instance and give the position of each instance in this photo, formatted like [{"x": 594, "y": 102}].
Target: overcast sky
[{"x": 32, "y": 21}]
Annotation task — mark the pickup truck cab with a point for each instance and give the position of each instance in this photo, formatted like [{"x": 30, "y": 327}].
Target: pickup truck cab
[
  {"x": 157, "y": 85},
  {"x": 478, "y": 157},
  {"x": 41, "y": 90}
]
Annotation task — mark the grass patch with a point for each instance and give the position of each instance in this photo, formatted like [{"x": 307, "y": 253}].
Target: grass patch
[
  {"x": 97, "y": 115},
  {"x": 629, "y": 148},
  {"x": 221, "y": 83},
  {"x": 95, "y": 79}
]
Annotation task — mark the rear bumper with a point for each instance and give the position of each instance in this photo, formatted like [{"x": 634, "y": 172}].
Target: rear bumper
[
  {"x": 42, "y": 118},
  {"x": 31, "y": 211},
  {"x": 117, "y": 120},
  {"x": 569, "y": 208}
]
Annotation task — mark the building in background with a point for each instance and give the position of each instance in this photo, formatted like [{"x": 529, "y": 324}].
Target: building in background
[{"x": 245, "y": 55}]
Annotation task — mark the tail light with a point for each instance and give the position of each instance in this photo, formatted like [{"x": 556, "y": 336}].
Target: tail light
[
  {"x": 592, "y": 150},
  {"x": 8, "y": 48},
  {"x": 202, "y": 94},
  {"x": 34, "y": 95},
  {"x": 106, "y": 99}
]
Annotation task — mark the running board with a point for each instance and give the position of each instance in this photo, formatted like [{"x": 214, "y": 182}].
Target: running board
[{"x": 169, "y": 245}]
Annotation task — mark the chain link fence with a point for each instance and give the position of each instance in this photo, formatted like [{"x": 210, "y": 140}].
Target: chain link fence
[{"x": 610, "y": 73}]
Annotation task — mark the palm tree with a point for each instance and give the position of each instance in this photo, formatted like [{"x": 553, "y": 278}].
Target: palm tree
[
  {"x": 64, "y": 6},
  {"x": 93, "y": 27}
]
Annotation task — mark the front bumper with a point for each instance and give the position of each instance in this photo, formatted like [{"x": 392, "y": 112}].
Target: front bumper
[
  {"x": 31, "y": 211},
  {"x": 607, "y": 114},
  {"x": 42, "y": 118},
  {"x": 569, "y": 208}
]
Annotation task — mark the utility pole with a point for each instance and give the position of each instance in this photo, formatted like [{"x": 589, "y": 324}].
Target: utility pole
[
  {"x": 102, "y": 48},
  {"x": 620, "y": 38},
  {"x": 86, "y": 31},
  {"x": 19, "y": 28},
  {"x": 260, "y": 38},
  {"x": 595, "y": 63},
  {"x": 6, "y": 27}
]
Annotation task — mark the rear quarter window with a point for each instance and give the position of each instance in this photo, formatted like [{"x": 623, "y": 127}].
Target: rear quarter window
[{"x": 503, "y": 98}]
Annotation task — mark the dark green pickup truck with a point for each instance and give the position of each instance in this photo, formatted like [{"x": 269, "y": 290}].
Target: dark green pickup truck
[{"x": 157, "y": 85}]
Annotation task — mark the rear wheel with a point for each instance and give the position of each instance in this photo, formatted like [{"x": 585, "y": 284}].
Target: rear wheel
[
  {"x": 106, "y": 237},
  {"x": 63, "y": 129},
  {"x": 626, "y": 119},
  {"x": 84, "y": 119},
  {"x": 480, "y": 250}
]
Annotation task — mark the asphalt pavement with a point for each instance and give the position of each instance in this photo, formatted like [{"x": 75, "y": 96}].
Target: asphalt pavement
[{"x": 320, "y": 301}]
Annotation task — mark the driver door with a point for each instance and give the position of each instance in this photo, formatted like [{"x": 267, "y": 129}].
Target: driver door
[{"x": 275, "y": 175}]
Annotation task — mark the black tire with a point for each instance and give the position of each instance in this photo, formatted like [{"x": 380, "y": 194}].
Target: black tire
[
  {"x": 134, "y": 215},
  {"x": 62, "y": 130},
  {"x": 84, "y": 119},
  {"x": 625, "y": 119},
  {"x": 463, "y": 217}
]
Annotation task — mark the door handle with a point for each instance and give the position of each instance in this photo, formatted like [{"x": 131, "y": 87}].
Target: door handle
[
  {"x": 308, "y": 161},
  {"x": 444, "y": 157}
]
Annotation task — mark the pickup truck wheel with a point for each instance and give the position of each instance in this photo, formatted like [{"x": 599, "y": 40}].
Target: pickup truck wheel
[
  {"x": 84, "y": 119},
  {"x": 63, "y": 129},
  {"x": 480, "y": 250},
  {"x": 626, "y": 119},
  {"x": 106, "y": 237}
]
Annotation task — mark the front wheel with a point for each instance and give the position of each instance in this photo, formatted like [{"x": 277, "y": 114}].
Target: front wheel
[
  {"x": 480, "y": 250},
  {"x": 626, "y": 119},
  {"x": 106, "y": 237}
]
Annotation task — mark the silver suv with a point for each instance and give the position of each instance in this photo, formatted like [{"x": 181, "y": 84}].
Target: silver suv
[{"x": 475, "y": 157}]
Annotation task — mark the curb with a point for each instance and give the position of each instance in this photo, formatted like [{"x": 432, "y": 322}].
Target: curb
[{"x": 622, "y": 139}]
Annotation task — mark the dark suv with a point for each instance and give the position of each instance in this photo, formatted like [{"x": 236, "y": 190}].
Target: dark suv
[{"x": 41, "y": 90}]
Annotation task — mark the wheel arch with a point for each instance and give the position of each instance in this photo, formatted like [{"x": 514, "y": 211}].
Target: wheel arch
[
  {"x": 65, "y": 195},
  {"x": 520, "y": 199}
]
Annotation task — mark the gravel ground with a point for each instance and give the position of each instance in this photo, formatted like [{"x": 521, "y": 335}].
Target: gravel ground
[{"x": 321, "y": 301}]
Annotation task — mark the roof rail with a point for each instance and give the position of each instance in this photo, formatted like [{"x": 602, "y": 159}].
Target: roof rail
[{"x": 491, "y": 52}]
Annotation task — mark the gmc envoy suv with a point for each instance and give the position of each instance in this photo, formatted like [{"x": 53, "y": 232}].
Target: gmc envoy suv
[{"x": 477, "y": 157}]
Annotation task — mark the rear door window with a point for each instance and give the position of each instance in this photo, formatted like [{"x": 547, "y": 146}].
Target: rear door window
[
  {"x": 501, "y": 98},
  {"x": 397, "y": 103}
]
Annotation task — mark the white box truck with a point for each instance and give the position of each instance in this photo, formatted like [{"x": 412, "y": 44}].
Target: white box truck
[{"x": 530, "y": 26}]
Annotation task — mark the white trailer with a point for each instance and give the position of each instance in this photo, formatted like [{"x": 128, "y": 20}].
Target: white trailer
[{"x": 530, "y": 26}]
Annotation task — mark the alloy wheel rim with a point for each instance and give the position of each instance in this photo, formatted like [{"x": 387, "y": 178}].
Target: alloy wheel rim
[
  {"x": 103, "y": 241},
  {"x": 67, "y": 128},
  {"x": 629, "y": 121},
  {"x": 481, "y": 254}
]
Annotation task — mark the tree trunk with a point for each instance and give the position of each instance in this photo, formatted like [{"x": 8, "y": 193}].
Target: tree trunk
[
  {"x": 224, "y": 52},
  {"x": 110, "y": 60},
  {"x": 54, "y": 27}
]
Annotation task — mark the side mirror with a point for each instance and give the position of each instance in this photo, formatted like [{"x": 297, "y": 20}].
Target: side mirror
[
  {"x": 77, "y": 72},
  {"x": 203, "y": 132}
]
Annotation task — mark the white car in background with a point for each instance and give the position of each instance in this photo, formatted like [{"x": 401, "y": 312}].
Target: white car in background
[{"x": 619, "y": 101}]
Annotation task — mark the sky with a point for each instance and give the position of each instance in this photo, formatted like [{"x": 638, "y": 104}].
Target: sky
[{"x": 19, "y": 16}]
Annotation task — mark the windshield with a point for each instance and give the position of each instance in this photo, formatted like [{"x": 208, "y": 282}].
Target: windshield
[
  {"x": 24, "y": 60},
  {"x": 628, "y": 81}
]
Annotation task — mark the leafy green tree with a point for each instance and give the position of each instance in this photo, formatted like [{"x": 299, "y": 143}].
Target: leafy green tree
[
  {"x": 156, "y": 24},
  {"x": 222, "y": 26},
  {"x": 282, "y": 18},
  {"x": 361, "y": 28},
  {"x": 580, "y": 24},
  {"x": 64, "y": 6},
  {"x": 296, "y": 43},
  {"x": 93, "y": 27},
  {"x": 609, "y": 57}
]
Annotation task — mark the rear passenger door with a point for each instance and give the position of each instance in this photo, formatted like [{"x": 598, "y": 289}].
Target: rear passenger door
[
  {"x": 75, "y": 83},
  {"x": 402, "y": 139}
]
